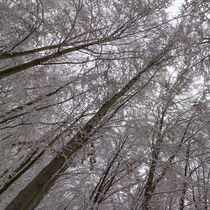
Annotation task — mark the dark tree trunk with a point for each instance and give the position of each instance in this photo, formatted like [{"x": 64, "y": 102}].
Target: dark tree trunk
[{"x": 32, "y": 194}]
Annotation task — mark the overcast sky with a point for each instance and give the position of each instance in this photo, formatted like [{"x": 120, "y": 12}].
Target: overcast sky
[{"x": 174, "y": 9}]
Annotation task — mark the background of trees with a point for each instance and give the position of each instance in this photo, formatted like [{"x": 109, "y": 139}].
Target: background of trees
[{"x": 104, "y": 105}]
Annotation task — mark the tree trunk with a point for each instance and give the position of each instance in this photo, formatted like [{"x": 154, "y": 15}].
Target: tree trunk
[
  {"x": 32, "y": 194},
  {"x": 184, "y": 187},
  {"x": 13, "y": 70}
]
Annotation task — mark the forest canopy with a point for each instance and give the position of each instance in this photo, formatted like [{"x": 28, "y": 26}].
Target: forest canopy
[{"x": 104, "y": 104}]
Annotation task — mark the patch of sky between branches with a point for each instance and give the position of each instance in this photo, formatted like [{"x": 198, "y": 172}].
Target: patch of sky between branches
[{"x": 175, "y": 7}]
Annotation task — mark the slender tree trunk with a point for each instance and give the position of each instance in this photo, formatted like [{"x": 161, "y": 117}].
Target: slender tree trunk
[
  {"x": 9, "y": 55},
  {"x": 205, "y": 187},
  {"x": 115, "y": 35},
  {"x": 149, "y": 187},
  {"x": 184, "y": 187},
  {"x": 13, "y": 70}
]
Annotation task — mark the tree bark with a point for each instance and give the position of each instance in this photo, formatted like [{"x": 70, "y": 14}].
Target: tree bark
[
  {"x": 13, "y": 70},
  {"x": 184, "y": 187}
]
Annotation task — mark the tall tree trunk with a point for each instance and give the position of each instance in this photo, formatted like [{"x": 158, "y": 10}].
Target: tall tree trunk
[
  {"x": 152, "y": 183},
  {"x": 184, "y": 187},
  {"x": 13, "y": 70},
  {"x": 149, "y": 187},
  {"x": 33, "y": 193}
]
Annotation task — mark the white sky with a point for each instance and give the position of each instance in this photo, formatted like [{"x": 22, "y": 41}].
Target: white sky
[{"x": 173, "y": 10}]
